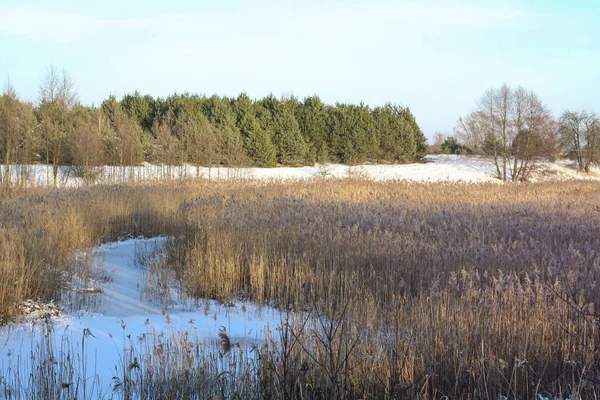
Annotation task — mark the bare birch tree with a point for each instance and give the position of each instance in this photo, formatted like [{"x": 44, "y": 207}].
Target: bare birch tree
[
  {"x": 472, "y": 130},
  {"x": 57, "y": 97},
  {"x": 579, "y": 133},
  {"x": 58, "y": 87},
  {"x": 504, "y": 105},
  {"x": 487, "y": 106},
  {"x": 513, "y": 127}
]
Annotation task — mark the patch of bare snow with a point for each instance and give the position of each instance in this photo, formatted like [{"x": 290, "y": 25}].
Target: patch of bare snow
[
  {"x": 436, "y": 168},
  {"x": 562, "y": 170},
  {"x": 122, "y": 315}
]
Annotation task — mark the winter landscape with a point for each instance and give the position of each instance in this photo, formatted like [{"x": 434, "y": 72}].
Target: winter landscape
[
  {"x": 308, "y": 288},
  {"x": 307, "y": 201}
]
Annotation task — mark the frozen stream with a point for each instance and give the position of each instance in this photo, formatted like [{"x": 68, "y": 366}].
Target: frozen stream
[{"x": 116, "y": 327}]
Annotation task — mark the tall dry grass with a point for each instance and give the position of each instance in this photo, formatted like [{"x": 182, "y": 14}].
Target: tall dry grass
[
  {"x": 451, "y": 290},
  {"x": 42, "y": 229},
  {"x": 407, "y": 290}
]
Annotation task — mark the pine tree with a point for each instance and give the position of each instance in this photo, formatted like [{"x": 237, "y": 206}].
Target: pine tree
[
  {"x": 419, "y": 138},
  {"x": 257, "y": 141},
  {"x": 313, "y": 125},
  {"x": 258, "y": 144},
  {"x": 291, "y": 147},
  {"x": 141, "y": 108}
]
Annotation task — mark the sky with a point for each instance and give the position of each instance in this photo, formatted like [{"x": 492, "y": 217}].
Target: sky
[{"x": 436, "y": 57}]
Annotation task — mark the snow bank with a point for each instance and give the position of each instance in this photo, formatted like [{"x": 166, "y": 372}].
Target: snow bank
[{"x": 437, "y": 168}]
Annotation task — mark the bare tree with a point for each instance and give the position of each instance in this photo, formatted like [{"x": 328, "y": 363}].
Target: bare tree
[
  {"x": 532, "y": 136},
  {"x": 9, "y": 127},
  {"x": 57, "y": 97},
  {"x": 16, "y": 123},
  {"x": 28, "y": 145},
  {"x": 124, "y": 139},
  {"x": 487, "y": 107},
  {"x": 579, "y": 133},
  {"x": 438, "y": 139},
  {"x": 59, "y": 88},
  {"x": 471, "y": 130},
  {"x": 513, "y": 127},
  {"x": 87, "y": 143},
  {"x": 504, "y": 105}
]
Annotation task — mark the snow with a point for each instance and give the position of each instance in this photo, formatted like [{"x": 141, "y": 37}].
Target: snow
[
  {"x": 437, "y": 168},
  {"x": 122, "y": 295},
  {"x": 123, "y": 315},
  {"x": 124, "y": 305}
]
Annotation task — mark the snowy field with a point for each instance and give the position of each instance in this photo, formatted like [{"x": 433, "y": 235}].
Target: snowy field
[
  {"x": 124, "y": 325},
  {"x": 118, "y": 318},
  {"x": 437, "y": 168}
]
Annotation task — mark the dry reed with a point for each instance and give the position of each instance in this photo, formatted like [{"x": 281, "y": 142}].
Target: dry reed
[{"x": 409, "y": 290}]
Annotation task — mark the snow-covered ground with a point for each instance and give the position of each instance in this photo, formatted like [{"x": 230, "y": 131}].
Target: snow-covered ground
[
  {"x": 124, "y": 320},
  {"x": 437, "y": 168}
]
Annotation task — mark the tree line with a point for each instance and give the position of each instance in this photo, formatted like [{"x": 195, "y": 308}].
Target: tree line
[
  {"x": 199, "y": 130},
  {"x": 516, "y": 130}
]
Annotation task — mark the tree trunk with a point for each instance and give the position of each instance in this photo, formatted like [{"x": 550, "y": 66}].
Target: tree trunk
[
  {"x": 504, "y": 150},
  {"x": 516, "y": 170},
  {"x": 55, "y": 162},
  {"x": 7, "y": 166}
]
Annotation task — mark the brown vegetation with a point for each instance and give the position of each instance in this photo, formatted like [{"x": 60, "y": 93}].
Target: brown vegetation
[{"x": 412, "y": 290}]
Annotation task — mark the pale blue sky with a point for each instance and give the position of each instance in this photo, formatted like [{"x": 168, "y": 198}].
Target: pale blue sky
[{"x": 437, "y": 57}]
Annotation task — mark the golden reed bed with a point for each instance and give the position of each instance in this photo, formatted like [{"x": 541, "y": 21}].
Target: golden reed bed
[{"x": 415, "y": 290}]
